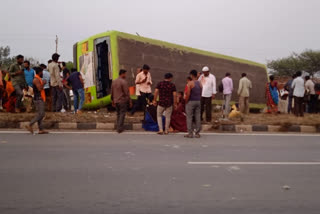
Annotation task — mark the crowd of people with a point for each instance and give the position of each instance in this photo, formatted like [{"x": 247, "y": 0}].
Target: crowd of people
[
  {"x": 42, "y": 88},
  {"x": 299, "y": 95},
  {"x": 181, "y": 111},
  {"x": 48, "y": 88}
]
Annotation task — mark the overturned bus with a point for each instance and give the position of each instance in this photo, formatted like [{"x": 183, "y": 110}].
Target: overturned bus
[{"x": 100, "y": 57}]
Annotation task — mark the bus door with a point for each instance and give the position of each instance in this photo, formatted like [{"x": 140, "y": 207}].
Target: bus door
[{"x": 103, "y": 77}]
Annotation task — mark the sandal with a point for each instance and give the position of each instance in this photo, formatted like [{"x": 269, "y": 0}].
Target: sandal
[{"x": 160, "y": 132}]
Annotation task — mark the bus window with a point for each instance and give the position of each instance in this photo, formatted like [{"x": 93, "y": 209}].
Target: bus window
[{"x": 103, "y": 80}]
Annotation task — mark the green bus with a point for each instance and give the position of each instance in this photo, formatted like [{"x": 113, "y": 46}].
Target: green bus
[{"x": 100, "y": 57}]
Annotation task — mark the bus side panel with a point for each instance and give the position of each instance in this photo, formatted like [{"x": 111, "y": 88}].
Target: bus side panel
[
  {"x": 134, "y": 53},
  {"x": 86, "y": 47}
]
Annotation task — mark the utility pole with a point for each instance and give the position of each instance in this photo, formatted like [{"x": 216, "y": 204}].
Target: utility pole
[{"x": 56, "y": 44}]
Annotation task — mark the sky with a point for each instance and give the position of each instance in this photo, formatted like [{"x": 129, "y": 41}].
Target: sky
[{"x": 257, "y": 30}]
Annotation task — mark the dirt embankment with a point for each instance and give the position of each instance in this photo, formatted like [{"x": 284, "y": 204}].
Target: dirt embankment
[
  {"x": 86, "y": 117},
  {"x": 103, "y": 116}
]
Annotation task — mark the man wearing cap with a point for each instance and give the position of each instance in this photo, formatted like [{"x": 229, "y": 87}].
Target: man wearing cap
[
  {"x": 208, "y": 82},
  {"x": 56, "y": 83}
]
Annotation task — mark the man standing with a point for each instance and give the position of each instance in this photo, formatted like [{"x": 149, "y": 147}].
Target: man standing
[
  {"x": 56, "y": 83},
  {"x": 144, "y": 81},
  {"x": 227, "y": 93},
  {"x": 244, "y": 92},
  {"x": 29, "y": 73},
  {"x": 290, "y": 90},
  {"x": 39, "y": 101},
  {"x": 313, "y": 97},
  {"x": 46, "y": 77},
  {"x": 298, "y": 94},
  {"x": 77, "y": 83},
  {"x": 139, "y": 70},
  {"x": 120, "y": 97},
  {"x": 66, "y": 91},
  {"x": 193, "y": 105},
  {"x": 18, "y": 81},
  {"x": 208, "y": 82},
  {"x": 167, "y": 99}
]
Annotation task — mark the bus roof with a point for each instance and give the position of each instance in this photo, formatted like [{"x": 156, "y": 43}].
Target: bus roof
[{"x": 173, "y": 46}]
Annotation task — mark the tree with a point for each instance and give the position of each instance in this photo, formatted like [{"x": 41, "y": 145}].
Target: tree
[
  {"x": 285, "y": 66},
  {"x": 308, "y": 61},
  {"x": 311, "y": 61},
  {"x": 33, "y": 62},
  {"x": 69, "y": 65},
  {"x": 6, "y": 60},
  {"x": 4, "y": 52}
]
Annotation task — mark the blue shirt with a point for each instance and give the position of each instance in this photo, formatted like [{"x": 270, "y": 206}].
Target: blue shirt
[
  {"x": 74, "y": 80},
  {"x": 29, "y": 76},
  {"x": 46, "y": 76}
]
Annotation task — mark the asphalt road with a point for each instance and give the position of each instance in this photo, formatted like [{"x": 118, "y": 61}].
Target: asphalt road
[{"x": 139, "y": 173}]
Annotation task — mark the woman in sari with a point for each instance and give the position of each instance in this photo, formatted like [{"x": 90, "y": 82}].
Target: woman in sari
[
  {"x": 272, "y": 96},
  {"x": 178, "y": 118}
]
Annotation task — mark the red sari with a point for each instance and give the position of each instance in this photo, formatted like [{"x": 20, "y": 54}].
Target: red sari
[{"x": 179, "y": 118}]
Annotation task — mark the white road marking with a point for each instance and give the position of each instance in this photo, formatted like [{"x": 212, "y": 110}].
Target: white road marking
[
  {"x": 152, "y": 133},
  {"x": 254, "y": 163}
]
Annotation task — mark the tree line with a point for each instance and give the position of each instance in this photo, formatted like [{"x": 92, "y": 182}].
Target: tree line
[
  {"x": 6, "y": 60},
  {"x": 307, "y": 61}
]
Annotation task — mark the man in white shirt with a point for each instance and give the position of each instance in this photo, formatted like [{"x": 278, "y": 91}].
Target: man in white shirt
[
  {"x": 56, "y": 83},
  {"x": 312, "y": 96},
  {"x": 227, "y": 93},
  {"x": 143, "y": 79},
  {"x": 298, "y": 94},
  {"x": 208, "y": 82}
]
